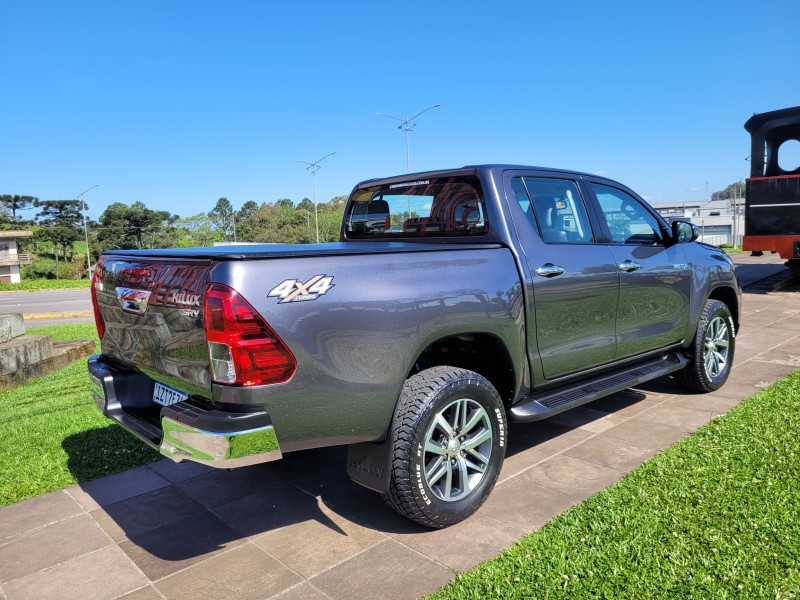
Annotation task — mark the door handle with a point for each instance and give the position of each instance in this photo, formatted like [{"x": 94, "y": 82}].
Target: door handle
[
  {"x": 629, "y": 265},
  {"x": 550, "y": 270}
]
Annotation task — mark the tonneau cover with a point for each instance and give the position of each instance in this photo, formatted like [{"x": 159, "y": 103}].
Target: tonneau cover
[{"x": 257, "y": 251}]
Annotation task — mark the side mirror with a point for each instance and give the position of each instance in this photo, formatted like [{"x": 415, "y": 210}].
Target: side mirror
[{"x": 684, "y": 232}]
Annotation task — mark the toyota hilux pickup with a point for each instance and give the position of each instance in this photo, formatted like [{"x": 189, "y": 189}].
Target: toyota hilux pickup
[{"x": 455, "y": 302}]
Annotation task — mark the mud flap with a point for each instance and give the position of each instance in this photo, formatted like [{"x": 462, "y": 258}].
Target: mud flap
[{"x": 369, "y": 464}]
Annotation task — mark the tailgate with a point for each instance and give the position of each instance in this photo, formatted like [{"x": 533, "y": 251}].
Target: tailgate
[{"x": 153, "y": 316}]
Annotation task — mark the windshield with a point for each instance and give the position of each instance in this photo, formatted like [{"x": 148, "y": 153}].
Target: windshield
[{"x": 436, "y": 207}]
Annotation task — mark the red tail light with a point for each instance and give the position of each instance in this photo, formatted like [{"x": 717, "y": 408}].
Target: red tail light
[
  {"x": 97, "y": 283},
  {"x": 242, "y": 348}
]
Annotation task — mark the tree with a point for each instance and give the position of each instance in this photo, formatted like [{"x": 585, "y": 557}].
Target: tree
[
  {"x": 222, "y": 217},
  {"x": 197, "y": 230},
  {"x": 244, "y": 221},
  {"x": 60, "y": 213},
  {"x": 61, "y": 221},
  {"x": 136, "y": 226},
  {"x": 734, "y": 190},
  {"x": 285, "y": 202},
  {"x": 275, "y": 223},
  {"x": 306, "y": 204},
  {"x": 61, "y": 238},
  {"x": 14, "y": 203}
]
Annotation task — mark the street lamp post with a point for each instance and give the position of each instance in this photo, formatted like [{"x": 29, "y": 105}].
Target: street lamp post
[
  {"x": 312, "y": 168},
  {"x": 86, "y": 230},
  {"x": 406, "y": 126}
]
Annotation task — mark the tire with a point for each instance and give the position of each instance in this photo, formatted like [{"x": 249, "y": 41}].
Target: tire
[
  {"x": 431, "y": 408},
  {"x": 711, "y": 362}
]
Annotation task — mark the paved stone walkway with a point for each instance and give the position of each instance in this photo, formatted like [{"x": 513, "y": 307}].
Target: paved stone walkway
[{"x": 298, "y": 528}]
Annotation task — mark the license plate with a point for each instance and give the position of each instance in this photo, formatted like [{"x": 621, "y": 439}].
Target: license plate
[{"x": 166, "y": 396}]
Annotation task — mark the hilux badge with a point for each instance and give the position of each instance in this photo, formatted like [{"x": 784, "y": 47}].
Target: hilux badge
[
  {"x": 133, "y": 301},
  {"x": 293, "y": 290}
]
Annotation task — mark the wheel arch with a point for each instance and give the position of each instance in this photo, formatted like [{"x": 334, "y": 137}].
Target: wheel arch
[
  {"x": 481, "y": 352},
  {"x": 727, "y": 295}
]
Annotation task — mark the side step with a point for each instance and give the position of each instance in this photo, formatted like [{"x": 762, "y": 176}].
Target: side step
[{"x": 549, "y": 403}]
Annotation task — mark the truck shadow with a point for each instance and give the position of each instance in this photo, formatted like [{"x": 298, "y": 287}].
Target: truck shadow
[{"x": 166, "y": 515}]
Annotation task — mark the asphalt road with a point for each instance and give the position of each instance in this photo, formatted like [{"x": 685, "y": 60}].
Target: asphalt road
[{"x": 49, "y": 307}]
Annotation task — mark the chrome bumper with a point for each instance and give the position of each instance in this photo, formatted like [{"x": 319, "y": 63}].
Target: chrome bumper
[
  {"x": 182, "y": 431},
  {"x": 217, "y": 449}
]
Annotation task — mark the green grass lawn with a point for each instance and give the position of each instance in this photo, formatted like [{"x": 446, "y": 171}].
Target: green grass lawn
[
  {"x": 35, "y": 285},
  {"x": 715, "y": 516},
  {"x": 53, "y": 435}
]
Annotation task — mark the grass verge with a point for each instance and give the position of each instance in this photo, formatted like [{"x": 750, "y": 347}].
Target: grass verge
[
  {"x": 36, "y": 285},
  {"x": 53, "y": 435},
  {"x": 715, "y": 516}
]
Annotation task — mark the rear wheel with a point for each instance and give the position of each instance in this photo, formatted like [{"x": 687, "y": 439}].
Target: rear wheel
[
  {"x": 450, "y": 432},
  {"x": 714, "y": 346}
]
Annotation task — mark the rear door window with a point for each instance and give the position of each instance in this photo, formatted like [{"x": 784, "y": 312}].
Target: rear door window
[{"x": 555, "y": 207}]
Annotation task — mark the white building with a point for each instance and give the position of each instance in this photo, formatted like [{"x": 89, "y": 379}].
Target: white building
[
  {"x": 715, "y": 218},
  {"x": 10, "y": 259}
]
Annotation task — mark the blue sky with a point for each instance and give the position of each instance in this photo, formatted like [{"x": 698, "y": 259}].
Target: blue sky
[{"x": 178, "y": 103}]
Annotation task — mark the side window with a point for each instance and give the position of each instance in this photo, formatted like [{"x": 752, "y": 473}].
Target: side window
[
  {"x": 555, "y": 207},
  {"x": 628, "y": 221}
]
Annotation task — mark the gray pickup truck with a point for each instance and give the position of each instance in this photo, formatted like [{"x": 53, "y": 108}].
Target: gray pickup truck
[{"x": 455, "y": 302}]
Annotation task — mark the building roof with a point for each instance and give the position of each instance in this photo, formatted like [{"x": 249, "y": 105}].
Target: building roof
[{"x": 15, "y": 233}]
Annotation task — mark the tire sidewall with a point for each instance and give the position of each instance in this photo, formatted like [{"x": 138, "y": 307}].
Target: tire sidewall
[
  {"x": 717, "y": 309},
  {"x": 479, "y": 390}
]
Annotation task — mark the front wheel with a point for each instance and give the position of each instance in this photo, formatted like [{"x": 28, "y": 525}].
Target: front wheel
[
  {"x": 450, "y": 437},
  {"x": 714, "y": 346}
]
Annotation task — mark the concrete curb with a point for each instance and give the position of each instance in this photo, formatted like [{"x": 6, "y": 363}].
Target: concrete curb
[{"x": 61, "y": 315}]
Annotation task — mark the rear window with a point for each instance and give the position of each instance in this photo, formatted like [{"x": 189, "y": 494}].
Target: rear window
[{"x": 437, "y": 207}]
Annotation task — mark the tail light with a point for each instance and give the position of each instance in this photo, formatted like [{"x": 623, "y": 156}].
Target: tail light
[
  {"x": 242, "y": 347},
  {"x": 97, "y": 284}
]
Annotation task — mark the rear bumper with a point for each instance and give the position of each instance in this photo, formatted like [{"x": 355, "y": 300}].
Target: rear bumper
[{"x": 183, "y": 431}]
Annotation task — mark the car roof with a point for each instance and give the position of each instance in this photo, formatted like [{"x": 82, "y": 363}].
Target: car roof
[{"x": 466, "y": 171}]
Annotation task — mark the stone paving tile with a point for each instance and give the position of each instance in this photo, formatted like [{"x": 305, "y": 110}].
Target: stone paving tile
[
  {"x": 333, "y": 487},
  {"x": 243, "y": 573},
  {"x": 301, "y": 591},
  {"x": 523, "y": 505},
  {"x": 175, "y": 472},
  {"x": 546, "y": 436},
  {"x": 369, "y": 510},
  {"x": 277, "y": 506},
  {"x": 758, "y": 374},
  {"x": 670, "y": 413},
  {"x": 571, "y": 476},
  {"x": 786, "y": 354},
  {"x": 521, "y": 460},
  {"x": 114, "y": 488},
  {"x": 648, "y": 433},
  {"x": 716, "y": 402},
  {"x": 145, "y": 593},
  {"x": 36, "y": 512},
  {"x": 295, "y": 465},
  {"x": 101, "y": 575},
  {"x": 335, "y": 539},
  {"x": 584, "y": 417},
  {"x": 221, "y": 486},
  {"x": 612, "y": 453},
  {"x": 388, "y": 570},
  {"x": 41, "y": 548},
  {"x": 169, "y": 549},
  {"x": 464, "y": 545},
  {"x": 140, "y": 514}
]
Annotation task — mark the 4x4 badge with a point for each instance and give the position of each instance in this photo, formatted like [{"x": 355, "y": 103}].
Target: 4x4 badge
[{"x": 293, "y": 290}]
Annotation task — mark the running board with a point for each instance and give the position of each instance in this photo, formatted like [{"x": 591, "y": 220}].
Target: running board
[{"x": 549, "y": 403}]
